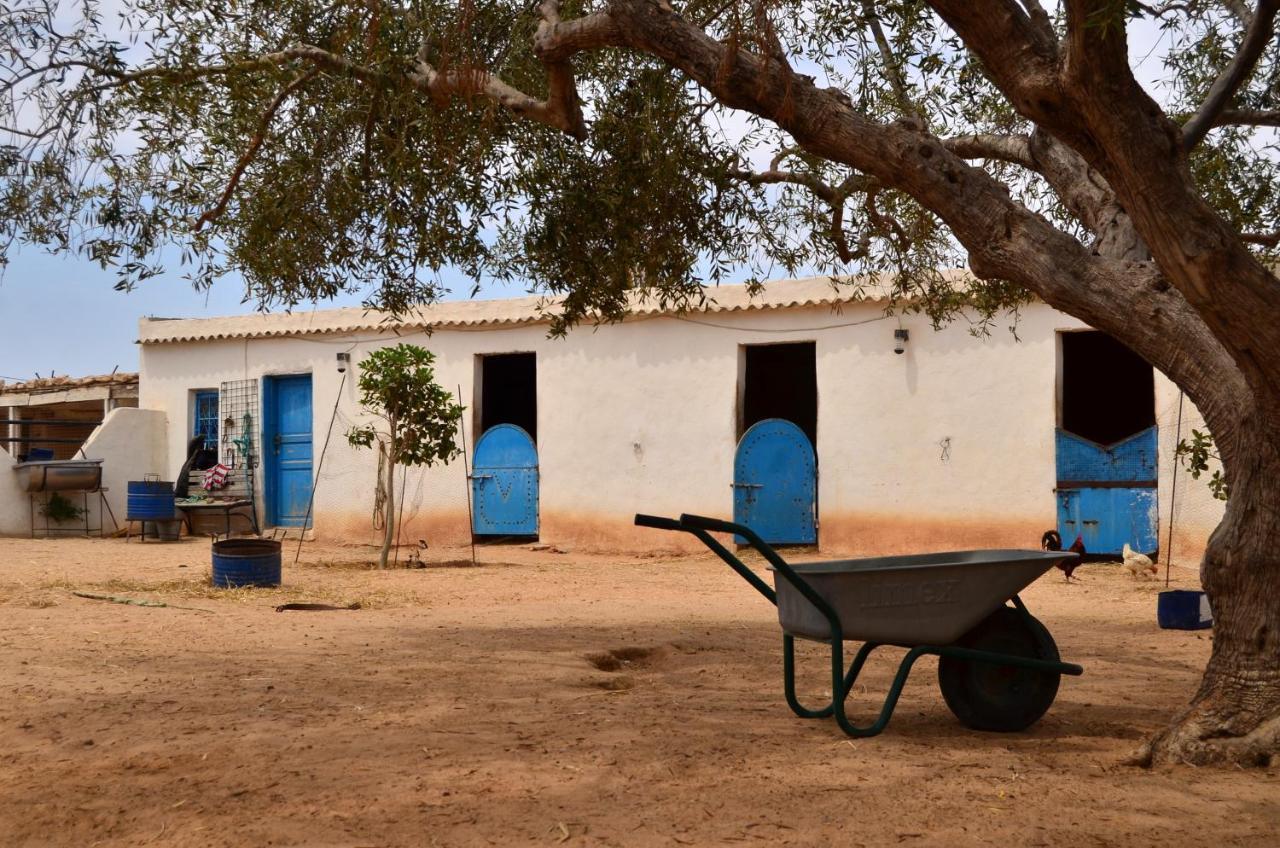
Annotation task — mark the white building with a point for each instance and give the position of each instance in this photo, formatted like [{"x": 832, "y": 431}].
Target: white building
[{"x": 951, "y": 443}]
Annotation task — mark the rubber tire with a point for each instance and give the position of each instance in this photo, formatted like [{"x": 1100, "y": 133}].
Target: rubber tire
[{"x": 1004, "y": 699}]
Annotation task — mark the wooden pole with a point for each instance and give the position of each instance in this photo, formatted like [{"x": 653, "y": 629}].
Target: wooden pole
[{"x": 462, "y": 431}]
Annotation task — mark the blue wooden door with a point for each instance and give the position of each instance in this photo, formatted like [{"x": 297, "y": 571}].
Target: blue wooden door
[
  {"x": 287, "y": 445},
  {"x": 1107, "y": 493},
  {"x": 504, "y": 483},
  {"x": 775, "y": 483}
]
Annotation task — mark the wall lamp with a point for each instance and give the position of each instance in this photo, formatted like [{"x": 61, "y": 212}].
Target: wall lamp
[
  {"x": 900, "y": 337},
  {"x": 344, "y": 359}
]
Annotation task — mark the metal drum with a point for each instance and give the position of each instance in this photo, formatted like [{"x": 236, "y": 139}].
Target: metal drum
[
  {"x": 150, "y": 500},
  {"x": 246, "y": 562},
  {"x": 60, "y": 475},
  {"x": 165, "y": 531}
]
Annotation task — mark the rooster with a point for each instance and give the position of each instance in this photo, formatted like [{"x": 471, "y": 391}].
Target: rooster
[
  {"x": 1140, "y": 565},
  {"x": 1051, "y": 541}
]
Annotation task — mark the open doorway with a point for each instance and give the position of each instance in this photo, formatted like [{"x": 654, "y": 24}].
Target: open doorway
[
  {"x": 1106, "y": 445},
  {"x": 508, "y": 392},
  {"x": 775, "y": 471},
  {"x": 504, "y": 474},
  {"x": 780, "y": 381},
  {"x": 1108, "y": 391}
]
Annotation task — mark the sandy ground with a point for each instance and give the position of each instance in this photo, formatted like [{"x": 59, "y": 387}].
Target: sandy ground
[{"x": 465, "y": 706}]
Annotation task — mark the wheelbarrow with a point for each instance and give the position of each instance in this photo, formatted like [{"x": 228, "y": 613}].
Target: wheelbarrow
[{"x": 998, "y": 667}]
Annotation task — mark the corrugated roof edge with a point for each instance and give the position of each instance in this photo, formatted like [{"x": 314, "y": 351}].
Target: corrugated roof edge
[{"x": 476, "y": 314}]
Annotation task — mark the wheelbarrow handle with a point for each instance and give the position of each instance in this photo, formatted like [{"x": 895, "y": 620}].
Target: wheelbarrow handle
[
  {"x": 657, "y": 522},
  {"x": 716, "y": 525},
  {"x": 660, "y": 523}
]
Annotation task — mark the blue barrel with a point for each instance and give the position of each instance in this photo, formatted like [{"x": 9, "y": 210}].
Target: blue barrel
[
  {"x": 1183, "y": 609},
  {"x": 246, "y": 562},
  {"x": 150, "y": 500}
]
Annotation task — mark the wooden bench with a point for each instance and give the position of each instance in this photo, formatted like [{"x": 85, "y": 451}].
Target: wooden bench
[{"x": 233, "y": 501}]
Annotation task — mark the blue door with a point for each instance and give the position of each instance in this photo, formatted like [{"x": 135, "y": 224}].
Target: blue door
[
  {"x": 504, "y": 483},
  {"x": 775, "y": 483},
  {"x": 1107, "y": 493},
  {"x": 287, "y": 445}
]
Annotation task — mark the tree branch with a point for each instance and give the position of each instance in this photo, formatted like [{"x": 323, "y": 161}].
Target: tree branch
[
  {"x": 893, "y": 69},
  {"x": 1248, "y": 117},
  {"x": 833, "y": 195},
  {"x": 1004, "y": 239},
  {"x": 1040, "y": 19},
  {"x": 562, "y": 99},
  {"x": 1005, "y": 148},
  {"x": 1016, "y": 50},
  {"x": 1224, "y": 88},
  {"x": 1264, "y": 239},
  {"x": 1240, "y": 9},
  {"x": 255, "y": 143}
]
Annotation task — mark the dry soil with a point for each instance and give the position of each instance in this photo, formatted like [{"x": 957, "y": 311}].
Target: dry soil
[{"x": 548, "y": 698}]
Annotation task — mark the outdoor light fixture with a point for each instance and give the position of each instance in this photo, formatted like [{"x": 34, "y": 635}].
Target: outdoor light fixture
[
  {"x": 900, "y": 337},
  {"x": 344, "y": 359}
]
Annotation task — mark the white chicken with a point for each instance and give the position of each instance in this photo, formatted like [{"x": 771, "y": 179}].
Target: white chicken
[{"x": 1139, "y": 565}]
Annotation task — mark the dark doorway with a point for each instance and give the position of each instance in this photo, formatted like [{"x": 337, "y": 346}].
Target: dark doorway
[
  {"x": 509, "y": 392},
  {"x": 1108, "y": 391},
  {"x": 780, "y": 381}
]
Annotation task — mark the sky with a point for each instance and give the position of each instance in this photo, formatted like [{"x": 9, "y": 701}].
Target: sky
[{"x": 60, "y": 314}]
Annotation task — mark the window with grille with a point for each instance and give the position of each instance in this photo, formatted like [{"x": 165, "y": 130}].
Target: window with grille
[{"x": 206, "y": 418}]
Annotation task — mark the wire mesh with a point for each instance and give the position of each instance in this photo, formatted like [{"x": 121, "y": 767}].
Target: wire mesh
[{"x": 239, "y": 444}]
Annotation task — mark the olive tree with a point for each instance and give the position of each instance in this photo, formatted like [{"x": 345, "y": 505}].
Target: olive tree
[
  {"x": 589, "y": 148},
  {"x": 419, "y": 421}
]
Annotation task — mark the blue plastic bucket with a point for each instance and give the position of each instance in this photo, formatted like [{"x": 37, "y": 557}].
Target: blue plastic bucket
[
  {"x": 150, "y": 500},
  {"x": 1183, "y": 609},
  {"x": 246, "y": 562}
]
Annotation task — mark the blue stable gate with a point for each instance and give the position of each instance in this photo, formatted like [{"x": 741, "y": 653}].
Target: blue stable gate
[
  {"x": 504, "y": 483},
  {"x": 1107, "y": 493},
  {"x": 775, "y": 483}
]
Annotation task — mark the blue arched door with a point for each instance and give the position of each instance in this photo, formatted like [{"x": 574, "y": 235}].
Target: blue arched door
[
  {"x": 775, "y": 483},
  {"x": 504, "y": 483}
]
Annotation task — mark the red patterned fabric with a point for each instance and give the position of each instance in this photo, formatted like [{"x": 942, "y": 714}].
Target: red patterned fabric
[{"x": 216, "y": 477}]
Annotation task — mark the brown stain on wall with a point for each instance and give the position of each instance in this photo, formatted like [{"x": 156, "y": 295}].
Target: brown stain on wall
[
  {"x": 852, "y": 533},
  {"x": 602, "y": 533},
  {"x": 863, "y": 533}
]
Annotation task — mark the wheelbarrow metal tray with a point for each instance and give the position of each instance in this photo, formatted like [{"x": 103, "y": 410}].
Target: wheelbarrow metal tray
[{"x": 918, "y": 599}]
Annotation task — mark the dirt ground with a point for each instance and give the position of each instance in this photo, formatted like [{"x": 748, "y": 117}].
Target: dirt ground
[{"x": 550, "y": 698}]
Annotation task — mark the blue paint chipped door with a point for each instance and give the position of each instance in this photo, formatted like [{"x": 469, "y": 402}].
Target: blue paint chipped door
[
  {"x": 775, "y": 483},
  {"x": 287, "y": 446},
  {"x": 504, "y": 483},
  {"x": 1107, "y": 493}
]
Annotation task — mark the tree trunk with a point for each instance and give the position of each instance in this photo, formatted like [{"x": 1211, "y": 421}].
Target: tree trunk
[
  {"x": 1234, "y": 718},
  {"x": 389, "y": 501}
]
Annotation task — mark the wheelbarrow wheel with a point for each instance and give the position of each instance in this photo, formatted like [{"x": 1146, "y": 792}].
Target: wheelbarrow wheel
[{"x": 1001, "y": 698}]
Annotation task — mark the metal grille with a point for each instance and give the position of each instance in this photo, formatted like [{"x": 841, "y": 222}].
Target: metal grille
[
  {"x": 207, "y": 420},
  {"x": 239, "y": 443}
]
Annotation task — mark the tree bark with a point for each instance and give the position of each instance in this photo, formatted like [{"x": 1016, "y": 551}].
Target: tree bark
[
  {"x": 1234, "y": 717},
  {"x": 389, "y": 501}
]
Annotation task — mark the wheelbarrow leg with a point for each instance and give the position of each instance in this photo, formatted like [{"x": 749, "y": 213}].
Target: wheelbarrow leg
[
  {"x": 843, "y": 680},
  {"x": 890, "y": 701}
]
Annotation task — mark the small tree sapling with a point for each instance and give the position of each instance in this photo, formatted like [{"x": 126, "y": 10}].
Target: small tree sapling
[{"x": 419, "y": 419}]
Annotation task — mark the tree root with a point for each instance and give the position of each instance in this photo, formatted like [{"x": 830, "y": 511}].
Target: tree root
[{"x": 1199, "y": 739}]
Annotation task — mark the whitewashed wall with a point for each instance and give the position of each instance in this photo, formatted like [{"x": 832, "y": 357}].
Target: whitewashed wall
[
  {"x": 130, "y": 442},
  {"x": 15, "y": 508},
  {"x": 642, "y": 417}
]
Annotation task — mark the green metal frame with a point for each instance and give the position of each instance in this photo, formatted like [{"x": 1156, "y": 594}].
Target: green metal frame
[{"x": 842, "y": 681}]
